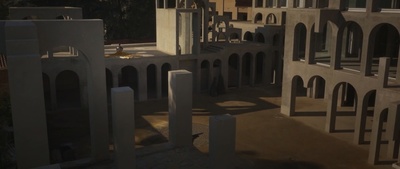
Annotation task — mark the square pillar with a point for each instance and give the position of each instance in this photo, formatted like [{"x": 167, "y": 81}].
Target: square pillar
[
  {"x": 180, "y": 107},
  {"x": 123, "y": 122},
  {"x": 26, "y": 91},
  {"x": 222, "y": 141},
  {"x": 383, "y": 71}
]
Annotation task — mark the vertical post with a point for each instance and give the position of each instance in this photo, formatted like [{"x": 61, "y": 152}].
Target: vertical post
[
  {"x": 26, "y": 90},
  {"x": 331, "y": 112},
  {"x": 222, "y": 141},
  {"x": 383, "y": 74},
  {"x": 180, "y": 107},
  {"x": 123, "y": 122},
  {"x": 53, "y": 92},
  {"x": 392, "y": 128}
]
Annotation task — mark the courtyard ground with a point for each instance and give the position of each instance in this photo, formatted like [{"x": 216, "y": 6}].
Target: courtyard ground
[{"x": 265, "y": 139}]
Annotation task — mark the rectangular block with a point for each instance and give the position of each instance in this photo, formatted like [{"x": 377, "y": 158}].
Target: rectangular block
[
  {"x": 222, "y": 141},
  {"x": 123, "y": 122},
  {"x": 28, "y": 111},
  {"x": 180, "y": 107}
]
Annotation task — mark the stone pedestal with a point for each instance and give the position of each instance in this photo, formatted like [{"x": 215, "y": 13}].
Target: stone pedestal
[
  {"x": 222, "y": 141},
  {"x": 180, "y": 107},
  {"x": 123, "y": 121}
]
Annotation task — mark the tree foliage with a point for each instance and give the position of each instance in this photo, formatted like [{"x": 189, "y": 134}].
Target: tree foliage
[{"x": 123, "y": 19}]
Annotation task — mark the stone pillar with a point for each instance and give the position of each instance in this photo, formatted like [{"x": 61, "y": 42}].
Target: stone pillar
[
  {"x": 366, "y": 57},
  {"x": 222, "y": 141},
  {"x": 159, "y": 82},
  {"x": 361, "y": 116},
  {"x": 53, "y": 92},
  {"x": 392, "y": 129},
  {"x": 383, "y": 71},
  {"x": 142, "y": 85},
  {"x": 331, "y": 112},
  {"x": 123, "y": 122},
  {"x": 376, "y": 136},
  {"x": 288, "y": 95},
  {"x": 26, "y": 91},
  {"x": 253, "y": 70},
  {"x": 180, "y": 107}
]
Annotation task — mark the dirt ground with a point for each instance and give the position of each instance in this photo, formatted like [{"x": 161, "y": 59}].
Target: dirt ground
[{"x": 265, "y": 139}]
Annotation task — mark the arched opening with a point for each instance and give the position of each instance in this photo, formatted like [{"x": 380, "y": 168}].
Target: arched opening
[
  {"x": 258, "y": 18},
  {"x": 47, "y": 91},
  {"x": 234, "y": 38},
  {"x": 385, "y": 41},
  {"x": 271, "y": 19},
  {"x": 366, "y": 120},
  {"x": 217, "y": 68},
  {"x": 260, "y": 68},
  {"x": 246, "y": 69},
  {"x": 320, "y": 43},
  {"x": 233, "y": 70},
  {"x": 221, "y": 37},
  {"x": 316, "y": 87},
  {"x": 151, "y": 82},
  {"x": 68, "y": 90},
  {"x": 109, "y": 84},
  {"x": 351, "y": 36},
  {"x": 164, "y": 79},
  {"x": 260, "y": 38},
  {"x": 299, "y": 92},
  {"x": 248, "y": 36},
  {"x": 69, "y": 128},
  {"x": 221, "y": 26},
  {"x": 204, "y": 75},
  {"x": 310, "y": 96},
  {"x": 300, "y": 36},
  {"x": 344, "y": 111},
  {"x": 130, "y": 78}
]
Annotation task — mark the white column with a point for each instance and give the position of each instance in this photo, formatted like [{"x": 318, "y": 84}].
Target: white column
[
  {"x": 180, "y": 107},
  {"x": 26, "y": 91},
  {"x": 123, "y": 121},
  {"x": 222, "y": 141}
]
